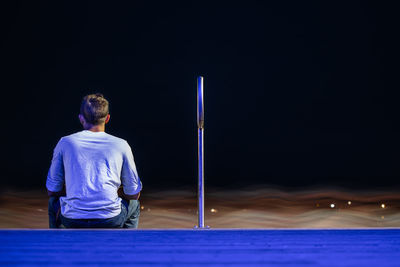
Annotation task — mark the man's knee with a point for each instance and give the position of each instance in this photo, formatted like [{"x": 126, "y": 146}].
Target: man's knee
[
  {"x": 54, "y": 204},
  {"x": 54, "y": 210},
  {"x": 132, "y": 208}
]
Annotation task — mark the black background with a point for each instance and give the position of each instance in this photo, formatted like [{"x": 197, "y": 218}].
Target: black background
[{"x": 296, "y": 93}]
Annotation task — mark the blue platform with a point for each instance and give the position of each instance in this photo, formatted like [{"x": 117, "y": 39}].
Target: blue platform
[{"x": 369, "y": 247}]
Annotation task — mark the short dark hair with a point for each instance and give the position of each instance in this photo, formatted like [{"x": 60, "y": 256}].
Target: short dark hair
[{"x": 94, "y": 108}]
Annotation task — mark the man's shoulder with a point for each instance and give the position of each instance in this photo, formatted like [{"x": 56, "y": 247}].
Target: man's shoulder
[
  {"x": 90, "y": 137},
  {"x": 116, "y": 139},
  {"x": 70, "y": 137}
]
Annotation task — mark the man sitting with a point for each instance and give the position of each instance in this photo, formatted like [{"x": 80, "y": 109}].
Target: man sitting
[{"x": 86, "y": 173}]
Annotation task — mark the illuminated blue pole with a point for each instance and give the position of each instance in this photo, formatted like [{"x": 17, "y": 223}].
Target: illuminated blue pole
[{"x": 200, "y": 148}]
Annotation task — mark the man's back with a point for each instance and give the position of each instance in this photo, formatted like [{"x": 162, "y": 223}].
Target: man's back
[{"x": 93, "y": 165}]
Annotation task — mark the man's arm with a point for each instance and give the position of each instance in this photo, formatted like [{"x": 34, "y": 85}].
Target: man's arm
[
  {"x": 122, "y": 195},
  {"x": 55, "y": 182},
  {"x": 61, "y": 193},
  {"x": 131, "y": 184}
]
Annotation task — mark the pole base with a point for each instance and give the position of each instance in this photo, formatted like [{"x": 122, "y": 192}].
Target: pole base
[{"x": 196, "y": 227}]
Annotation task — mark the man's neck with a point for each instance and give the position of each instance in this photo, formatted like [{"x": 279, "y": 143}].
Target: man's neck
[{"x": 95, "y": 128}]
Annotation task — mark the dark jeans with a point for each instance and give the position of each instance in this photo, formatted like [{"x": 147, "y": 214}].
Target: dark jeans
[{"x": 128, "y": 218}]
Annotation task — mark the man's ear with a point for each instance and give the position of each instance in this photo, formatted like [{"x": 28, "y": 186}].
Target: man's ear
[
  {"x": 107, "y": 118},
  {"x": 81, "y": 119}
]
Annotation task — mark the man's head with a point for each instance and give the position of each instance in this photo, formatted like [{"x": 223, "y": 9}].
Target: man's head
[{"x": 94, "y": 110}]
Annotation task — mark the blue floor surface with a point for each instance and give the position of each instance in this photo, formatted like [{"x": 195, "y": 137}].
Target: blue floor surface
[{"x": 369, "y": 247}]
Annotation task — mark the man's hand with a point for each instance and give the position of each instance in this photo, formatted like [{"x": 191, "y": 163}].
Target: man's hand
[
  {"x": 61, "y": 193},
  {"x": 121, "y": 194}
]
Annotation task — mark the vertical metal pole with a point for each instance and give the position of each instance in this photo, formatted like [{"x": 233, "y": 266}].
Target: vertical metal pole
[{"x": 200, "y": 148}]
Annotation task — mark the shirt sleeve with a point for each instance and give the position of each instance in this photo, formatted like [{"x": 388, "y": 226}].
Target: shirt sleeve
[
  {"x": 129, "y": 176},
  {"x": 55, "y": 177}
]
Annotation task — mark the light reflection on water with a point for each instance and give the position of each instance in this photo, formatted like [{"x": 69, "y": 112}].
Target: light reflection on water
[{"x": 249, "y": 208}]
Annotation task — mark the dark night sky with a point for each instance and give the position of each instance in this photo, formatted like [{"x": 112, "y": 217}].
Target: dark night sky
[{"x": 296, "y": 93}]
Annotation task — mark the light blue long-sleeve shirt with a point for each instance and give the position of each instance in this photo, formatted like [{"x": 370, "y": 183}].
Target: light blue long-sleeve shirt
[{"x": 92, "y": 165}]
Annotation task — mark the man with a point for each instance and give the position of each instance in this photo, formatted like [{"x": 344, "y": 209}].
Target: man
[{"x": 86, "y": 172}]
